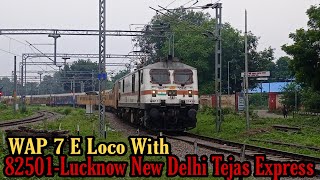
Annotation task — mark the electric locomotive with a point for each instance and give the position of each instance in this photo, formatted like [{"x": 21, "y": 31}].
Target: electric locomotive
[{"x": 161, "y": 96}]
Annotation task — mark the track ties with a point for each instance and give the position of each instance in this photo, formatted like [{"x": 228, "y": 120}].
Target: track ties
[
  {"x": 235, "y": 148},
  {"x": 41, "y": 115}
]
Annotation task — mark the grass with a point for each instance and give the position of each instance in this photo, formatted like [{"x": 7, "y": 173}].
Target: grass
[
  {"x": 7, "y": 113},
  {"x": 74, "y": 117},
  {"x": 234, "y": 128}
]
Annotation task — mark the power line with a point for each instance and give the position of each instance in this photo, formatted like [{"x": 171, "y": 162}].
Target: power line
[
  {"x": 9, "y": 52},
  {"x": 171, "y": 3},
  {"x": 15, "y": 39}
]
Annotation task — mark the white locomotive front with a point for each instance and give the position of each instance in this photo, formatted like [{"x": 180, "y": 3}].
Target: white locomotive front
[{"x": 160, "y": 96}]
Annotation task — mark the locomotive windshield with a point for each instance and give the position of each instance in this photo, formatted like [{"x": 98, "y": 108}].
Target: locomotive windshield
[
  {"x": 183, "y": 76},
  {"x": 160, "y": 76}
]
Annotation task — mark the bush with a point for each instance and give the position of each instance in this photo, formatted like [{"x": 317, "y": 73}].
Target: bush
[
  {"x": 66, "y": 111},
  {"x": 289, "y": 95},
  {"x": 207, "y": 110},
  {"x": 23, "y": 109},
  {"x": 228, "y": 111},
  {"x": 311, "y": 100},
  {"x": 3, "y": 106},
  {"x": 258, "y": 100},
  {"x": 212, "y": 111}
]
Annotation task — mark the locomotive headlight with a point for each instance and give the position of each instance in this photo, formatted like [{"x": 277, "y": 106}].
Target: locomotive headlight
[
  {"x": 154, "y": 93},
  {"x": 190, "y": 93}
]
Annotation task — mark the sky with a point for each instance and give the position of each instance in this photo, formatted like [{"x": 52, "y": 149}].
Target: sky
[{"x": 271, "y": 20}]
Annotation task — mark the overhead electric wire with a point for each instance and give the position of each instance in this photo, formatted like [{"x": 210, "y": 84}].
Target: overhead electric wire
[
  {"x": 193, "y": 26},
  {"x": 39, "y": 58},
  {"x": 14, "y": 39},
  {"x": 10, "y": 52},
  {"x": 171, "y": 3}
]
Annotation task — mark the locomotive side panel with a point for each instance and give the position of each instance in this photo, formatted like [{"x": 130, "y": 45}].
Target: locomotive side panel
[{"x": 128, "y": 92}]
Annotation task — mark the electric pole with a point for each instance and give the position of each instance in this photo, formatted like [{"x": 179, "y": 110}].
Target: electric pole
[
  {"x": 15, "y": 85},
  {"x": 74, "y": 91},
  {"x": 246, "y": 85},
  {"x": 102, "y": 63},
  {"x": 218, "y": 66}
]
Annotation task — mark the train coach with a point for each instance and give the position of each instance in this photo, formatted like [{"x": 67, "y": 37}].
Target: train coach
[{"x": 53, "y": 99}]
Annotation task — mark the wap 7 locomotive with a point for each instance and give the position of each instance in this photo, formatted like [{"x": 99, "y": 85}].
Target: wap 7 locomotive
[{"x": 160, "y": 96}]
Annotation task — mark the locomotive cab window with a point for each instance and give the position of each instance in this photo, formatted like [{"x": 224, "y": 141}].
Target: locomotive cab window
[
  {"x": 160, "y": 76},
  {"x": 183, "y": 76}
]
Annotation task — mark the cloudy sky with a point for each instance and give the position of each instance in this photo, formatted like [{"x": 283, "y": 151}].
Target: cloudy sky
[{"x": 272, "y": 20}]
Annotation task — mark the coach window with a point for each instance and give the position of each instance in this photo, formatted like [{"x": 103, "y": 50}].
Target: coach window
[
  {"x": 123, "y": 85},
  {"x": 133, "y": 82}
]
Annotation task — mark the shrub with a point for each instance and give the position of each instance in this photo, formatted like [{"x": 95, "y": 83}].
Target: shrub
[
  {"x": 207, "y": 110},
  {"x": 228, "y": 111},
  {"x": 290, "y": 92},
  {"x": 258, "y": 100},
  {"x": 311, "y": 100},
  {"x": 3, "y": 106},
  {"x": 67, "y": 111}
]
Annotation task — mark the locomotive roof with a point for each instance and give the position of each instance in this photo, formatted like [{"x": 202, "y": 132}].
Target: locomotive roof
[{"x": 169, "y": 65}]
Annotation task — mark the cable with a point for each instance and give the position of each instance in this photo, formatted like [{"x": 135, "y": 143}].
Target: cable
[
  {"x": 187, "y": 3},
  {"x": 194, "y": 27},
  {"x": 14, "y": 39},
  {"x": 171, "y": 3},
  {"x": 10, "y": 52},
  {"x": 41, "y": 53}
]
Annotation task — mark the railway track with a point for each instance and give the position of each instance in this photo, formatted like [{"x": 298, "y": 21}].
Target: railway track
[
  {"x": 41, "y": 115},
  {"x": 235, "y": 148}
]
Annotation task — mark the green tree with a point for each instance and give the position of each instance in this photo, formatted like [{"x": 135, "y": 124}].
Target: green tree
[
  {"x": 120, "y": 75},
  {"x": 290, "y": 92},
  {"x": 306, "y": 51},
  {"x": 7, "y": 85},
  {"x": 311, "y": 99},
  {"x": 280, "y": 70},
  {"x": 282, "y": 67},
  {"x": 197, "y": 50},
  {"x": 84, "y": 72}
]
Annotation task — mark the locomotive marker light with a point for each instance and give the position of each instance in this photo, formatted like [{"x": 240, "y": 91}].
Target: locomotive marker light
[{"x": 154, "y": 93}]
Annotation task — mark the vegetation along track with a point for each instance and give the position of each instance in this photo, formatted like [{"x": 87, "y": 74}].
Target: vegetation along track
[
  {"x": 235, "y": 148},
  {"x": 41, "y": 115}
]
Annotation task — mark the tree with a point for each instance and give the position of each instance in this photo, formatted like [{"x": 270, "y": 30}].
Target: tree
[
  {"x": 82, "y": 70},
  {"x": 306, "y": 51},
  {"x": 7, "y": 86},
  {"x": 311, "y": 99},
  {"x": 120, "y": 75},
  {"x": 281, "y": 70},
  {"x": 197, "y": 50},
  {"x": 32, "y": 88},
  {"x": 290, "y": 93}
]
